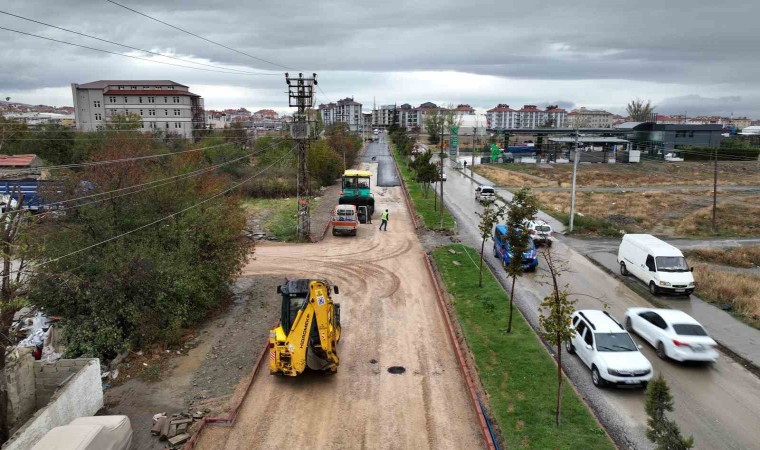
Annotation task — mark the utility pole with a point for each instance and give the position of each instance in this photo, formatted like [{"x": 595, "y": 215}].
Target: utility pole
[
  {"x": 715, "y": 192},
  {"x": 301, "y": 96},
  {"x": 474, "y": 143},
  {"x": 575, "y": 171}
]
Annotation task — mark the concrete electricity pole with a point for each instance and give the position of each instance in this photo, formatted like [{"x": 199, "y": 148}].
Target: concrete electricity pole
[
  {"x": 301, "y": 96},
  {"x": 575, "y": 171}
]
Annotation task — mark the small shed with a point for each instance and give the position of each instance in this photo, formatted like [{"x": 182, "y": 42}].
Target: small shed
[{"x": 27, "y": 161}]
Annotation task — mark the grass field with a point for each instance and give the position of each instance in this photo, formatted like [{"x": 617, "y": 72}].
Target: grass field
[
  {"x": 673, "y": 213},
  {"x": 277, "y": 216},
  {"x": 424, "y": 204},
  {"x": 517, "y": 373},
  {"x": 745, "y": 256},
  {"x": 648, "y": 173},
  {"x": 740, "y": 290}
]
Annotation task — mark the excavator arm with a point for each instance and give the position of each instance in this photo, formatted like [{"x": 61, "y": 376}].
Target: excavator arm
[{"x": 300, "y": 346}]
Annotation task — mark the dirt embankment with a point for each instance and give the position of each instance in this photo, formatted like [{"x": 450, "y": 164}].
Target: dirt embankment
[{"x": 205, "y": 376}]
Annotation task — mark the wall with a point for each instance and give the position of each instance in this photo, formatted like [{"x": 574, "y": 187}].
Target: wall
[
  {"x": 79, "y": 395},
  {"x": 19, "y": 378}
]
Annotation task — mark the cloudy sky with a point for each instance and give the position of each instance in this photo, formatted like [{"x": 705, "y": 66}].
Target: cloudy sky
[{"x": 686, "y": 56}]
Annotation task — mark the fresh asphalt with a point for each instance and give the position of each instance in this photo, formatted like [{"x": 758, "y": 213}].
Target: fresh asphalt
[{"x": 386, "y": 171}]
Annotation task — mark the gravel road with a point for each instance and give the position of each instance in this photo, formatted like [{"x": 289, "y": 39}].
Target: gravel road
[{"x": 390, "y": 318}]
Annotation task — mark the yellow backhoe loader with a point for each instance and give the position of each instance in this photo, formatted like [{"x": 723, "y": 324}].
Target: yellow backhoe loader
[{"x": 309, "y": 329}]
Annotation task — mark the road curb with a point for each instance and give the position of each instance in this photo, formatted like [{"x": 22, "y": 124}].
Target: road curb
[
  {"x": 464, "y": 369},
  {"x": 230, "y": 418},
  {"x": 744, "y": 362},
  {"x": 409, "y": 207}
]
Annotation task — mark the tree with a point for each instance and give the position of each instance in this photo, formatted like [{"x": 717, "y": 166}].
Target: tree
[
  {"x": 554, "y": 317},
  {"x": 130, "y": 121},
  {"x": 17, "y": 257},
  {"x": 662, "y": 431},
  {"x": 639, "y": 111},
  {"x": 434, "y": 125},
  {"x": 522, "y": 207},
  {"x": 490, "y": 217},
  {"x": 10, "y": 132},
  {"x": 425, "y": 171}
]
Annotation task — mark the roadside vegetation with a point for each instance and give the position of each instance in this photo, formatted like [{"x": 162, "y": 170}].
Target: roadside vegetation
[
  {"x": 424, "y": 199},
  {"x": 517, "y": 373},
  {"x": 745, "y": 256},
  {"x": 739, "y": 291}
]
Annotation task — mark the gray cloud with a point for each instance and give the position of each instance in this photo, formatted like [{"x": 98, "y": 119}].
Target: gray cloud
[{"x": 693, "y": 46}]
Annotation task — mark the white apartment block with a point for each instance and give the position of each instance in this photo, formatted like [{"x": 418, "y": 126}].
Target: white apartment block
[
  {"x": 383, "y": 116},
  {"x": 345, "y": 111},
  {"x": 590, "y": 118},
  {"x": 529, "y": 116},
  {"x": 161, "y": 104}
]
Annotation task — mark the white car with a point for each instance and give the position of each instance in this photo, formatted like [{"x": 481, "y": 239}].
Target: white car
[
  {"x": 485, "y": 194},
  {"x": 608, "y": 350},
  {"x": 540, "y": 231},
  {"x": 674, "y": 334}
]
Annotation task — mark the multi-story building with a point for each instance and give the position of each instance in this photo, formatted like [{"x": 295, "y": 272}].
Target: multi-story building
[
  {"x": 741, "y": 122},
  {"x": 384, "y": 116},
  {"x": 161, "y": 105},
  {"x": 345, "y": 111},
  {"x": 529, "y": 116},
  {"x": 590, "y": 118},
  {"x": 265, "y": 114},
  {"x": 464, "y": 110}
]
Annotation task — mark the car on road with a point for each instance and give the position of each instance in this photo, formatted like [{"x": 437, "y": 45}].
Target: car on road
[
  {"x": 661, "y": 266},
  {"x": 485, "y": 194},
  {"x": 608, "y": 350},
  {"x": 345, "y": 220},
  {"x": 540, "y": 231},
  {"x": 674, "y": 334},
  {"x": 502, "y": 250}
]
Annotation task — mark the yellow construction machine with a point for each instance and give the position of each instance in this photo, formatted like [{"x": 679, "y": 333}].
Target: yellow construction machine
[{"x": 309, "y": 329}]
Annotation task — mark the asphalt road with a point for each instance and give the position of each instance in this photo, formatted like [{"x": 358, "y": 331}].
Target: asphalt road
[
  {"x": 386, "y": 171},
  {"x": 389, "y": 317},
  {"x": 718, "y": 404}
]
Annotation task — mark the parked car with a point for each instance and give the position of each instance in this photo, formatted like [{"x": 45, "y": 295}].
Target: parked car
[
  {"x": 540, "y": 231},
  {"x": 674, "y": 334},
  {"x": 485, "y": 194},
  {"x": 673, "y": 157},
  {"x": 608, "y": 350},
  {"x": 658, "y": 264},
  {"x": 502, "y": 250},
  {"x": 345, "y": 220}
]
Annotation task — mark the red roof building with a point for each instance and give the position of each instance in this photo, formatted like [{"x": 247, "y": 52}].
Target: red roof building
[{"x": 20, "y": 161}]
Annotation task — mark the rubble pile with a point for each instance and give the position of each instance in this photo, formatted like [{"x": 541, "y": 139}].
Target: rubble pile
[{"x": 175, "y": 429}]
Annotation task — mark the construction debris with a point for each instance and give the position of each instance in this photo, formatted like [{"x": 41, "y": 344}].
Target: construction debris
[
  {"x": 175, "y": 429},
  {"x": 179, "y": 439}
]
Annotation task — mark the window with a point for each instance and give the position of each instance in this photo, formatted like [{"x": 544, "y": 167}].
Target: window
[
  {"x": 177, "y": 112},
  {"x": 177, "y": 124},
  {"x": 167, "y": 124},
  {"x": 650, "y": 263},
  {"x": 121, "y": 88},
  {"x": 146, "y": 87},
  {"x": 151, "y": 99},
  {"x": 580, "y": 328},
  {"x": 98, "y": 117},
  {"x": 171, "y": 87},
  {"x": 671, "y": 264},
  {"x": 175, "y": 99},
  {"x": 688, "y": 329},
  {"x": 166, "y": 112},
  {"x": 589, "y": 338},
  {"x": 125, "y": 99},
  {"x": 139, "y": 99},
  {"x": 141, "y": 112},
  {"x": 151, "y": 112},
  {"x": 96, "y": 103},
  {"x": 112, "y": 99},
  {"x": 615, "y": 342},
  {"x": 166, "y": 99},
  {"x": 152, "y": 125},
  {"x": 134, "y": 88}
]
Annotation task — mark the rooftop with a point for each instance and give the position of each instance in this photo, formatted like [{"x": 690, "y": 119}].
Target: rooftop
[{"x": 102, "y": 84}]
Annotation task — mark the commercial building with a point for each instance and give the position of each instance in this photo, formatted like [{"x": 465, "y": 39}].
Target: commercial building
[
  {"x": 659, "y": 138},
  {"x": 590, "y": 118},
  {"x": 502, "y": 117},
  {"x": 161, "y": 105},
  {"x": 346, "y": 111}
]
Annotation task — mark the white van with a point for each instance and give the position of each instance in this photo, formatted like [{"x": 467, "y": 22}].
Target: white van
[{"x": 658, "y": 264}]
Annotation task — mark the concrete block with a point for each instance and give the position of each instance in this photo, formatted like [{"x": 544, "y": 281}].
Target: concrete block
[
  {"x": 179, "y": 439},
  {"x": 158, "y": 426},
  {"x": 181, "y": 428}
]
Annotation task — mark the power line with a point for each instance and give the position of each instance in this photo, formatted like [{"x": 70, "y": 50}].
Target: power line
[
  {"x": 127, "y": 56},
  {"x": 132, "y": 48},
  {"x": 142, "y": 227},
  {"x": 200, "y": 37}
]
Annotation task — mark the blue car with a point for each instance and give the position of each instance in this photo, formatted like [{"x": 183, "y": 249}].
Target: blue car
[{"x": 502, "y": 251}]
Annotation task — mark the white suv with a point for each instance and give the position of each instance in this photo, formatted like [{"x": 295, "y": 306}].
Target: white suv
[
  {"x": 608, "y": 350},
  {"x": 485, "y": 194},
  {"x": 540, "y": 231}
]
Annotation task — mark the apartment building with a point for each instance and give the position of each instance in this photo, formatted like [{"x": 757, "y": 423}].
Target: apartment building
[
  {"x": 161, "y": 104},
  {"x": 529, "y": 116},
  {"x": 384, "y": 116},
  {"x": 346, "y": 111},
  {"x": 590, "y": 118}
]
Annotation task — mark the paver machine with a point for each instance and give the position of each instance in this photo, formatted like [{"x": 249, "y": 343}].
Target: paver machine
[
  {"x": 309, "y": 329},
  {"x": 356, "y": 190}
]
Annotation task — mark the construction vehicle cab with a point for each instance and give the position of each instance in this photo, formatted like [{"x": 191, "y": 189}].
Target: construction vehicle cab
[
  {"x": 356, "y": 189},
  {"x": 309, "y": 329}
]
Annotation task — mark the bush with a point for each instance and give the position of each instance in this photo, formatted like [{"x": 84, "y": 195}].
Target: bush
[{"x": 724, "y": 153}]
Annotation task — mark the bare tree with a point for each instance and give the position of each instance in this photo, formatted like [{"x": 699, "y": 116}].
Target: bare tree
[
  {"x": 554, "y": 316},
  {"x": 639, "y": 111},
  {"x": 490, "y": 217}
]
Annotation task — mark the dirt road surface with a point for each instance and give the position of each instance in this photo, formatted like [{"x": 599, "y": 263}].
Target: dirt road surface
[{"x": 389, "y": 317}]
